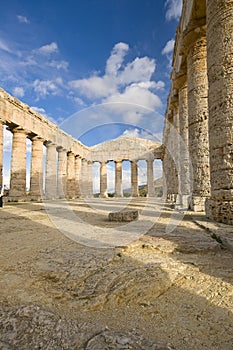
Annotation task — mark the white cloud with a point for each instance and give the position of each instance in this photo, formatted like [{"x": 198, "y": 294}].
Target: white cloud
[
  {"x": 48, "y": 49},
  {"x": 116, "y": 58},
  {"x": 123, "y": 83},
  {"x": 131, "y": 133},
  {"x": 136, "y": 95},
  {"x": 44, "y": 88},
  {"x": 141, "y": 69},
  {"x": 59, "y": 64},
  {"x": 94, "y": 87},
  {"x": 168, "y": 48},
  {"x": 23, "y": 19},
  {"x": 4, "y": 46},
  {"x": 18, "y": 91},
  {"x": 39, "y": 110},
  {"x": 174, "y": 8}
]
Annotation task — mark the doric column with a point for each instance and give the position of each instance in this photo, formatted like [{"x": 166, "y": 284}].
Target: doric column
[
  {"x": 78, "y": 163},
  {"x": 83, "y": 178},
  {"x": 70, "y": 192},
  {"x": 219, "y": 62},
  {"x": 150, "y": 178},
  {"x": 18, "y": 164},
  {"x": 103, "y": 180},
  {"x": 36, "y": 174},
  {"x": 198, "y": 121},
  {"x": 170, "y": 183},
  {"x": 51, "y": 171},
  {"x": 1, "y": 153},
  {"x": 118, "y": 178},
  {"x": 134, "y": 179},
  {"x": 89, "y": 180},
  {"x": 184, "y": 170},
  {"x": 62, "y": 172}
]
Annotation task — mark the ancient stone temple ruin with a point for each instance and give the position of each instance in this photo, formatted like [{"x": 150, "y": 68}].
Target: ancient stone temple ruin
[
  {"x": 197, "y": 151},
  {"x": 68, "y": 168}
]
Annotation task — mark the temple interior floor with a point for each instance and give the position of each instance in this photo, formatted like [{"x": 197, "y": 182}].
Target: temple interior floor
[{"x": 70, "y": 279}]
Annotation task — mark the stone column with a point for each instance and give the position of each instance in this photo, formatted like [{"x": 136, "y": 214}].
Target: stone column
[
  {"x": 51, "y": 171},
  {"x": 150, "y": 178},
  {"x": 103, "y": 180},
  {"x": 219, "y": 61},
  {"x": 83, "y": 179},
  {"x": 18, "y": 165},
  {"x": 198, "y": 121},
  {"x": 70, "y": 192},
  {"x": 184, "y": 178},
  {"x": 170, "y": 184},
  {"x": 118, "y": 179},
  {"x": 78, "y": 164},
  {"x": 62, "y": 172},
  {"x": 134, "y": 179},
  {"x": 36, "y": 174},
  {"x": 1, "y": 153},
  {"x": 175, "y": 148},
  {"x": 89, "y": 180}
]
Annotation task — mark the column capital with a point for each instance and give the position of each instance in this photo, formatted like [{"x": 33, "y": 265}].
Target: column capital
[
  {"x": 50, "y": 144},
  {"x": 18, "y": 129}
]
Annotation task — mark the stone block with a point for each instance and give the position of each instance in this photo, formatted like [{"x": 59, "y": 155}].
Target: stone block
[{"x": 123, "y": 215}]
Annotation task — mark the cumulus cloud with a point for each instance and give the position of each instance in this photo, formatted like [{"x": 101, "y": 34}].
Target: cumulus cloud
[
  {"x": 173, "y": 9},
  {"x": 48, "y": 49},
  {"x": 168, "y": 48},
  {"x": 94, "y": 87},
  {"x": 23, "y": 19},
  {"x": 18, "y": 91},
  {"x": 123, "y": 84},
  {"x": 44, "y": 87},
  {"x": 116, "y": 58}
]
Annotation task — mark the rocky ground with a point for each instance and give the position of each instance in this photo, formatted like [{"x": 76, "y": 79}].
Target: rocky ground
[{"x": 168, "y": 289}]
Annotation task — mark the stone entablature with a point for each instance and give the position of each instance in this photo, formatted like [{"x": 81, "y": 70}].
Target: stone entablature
[{"x": 125, "y": 148}]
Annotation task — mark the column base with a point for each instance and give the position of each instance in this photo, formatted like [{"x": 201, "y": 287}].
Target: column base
[
  {"x": 197, "y": 203},
  {"x": 221, "y": 211},
  {"x": 16, "y": 198},
  {"x": 183, "y": 201},
  {"x": 103, "y": 195}
]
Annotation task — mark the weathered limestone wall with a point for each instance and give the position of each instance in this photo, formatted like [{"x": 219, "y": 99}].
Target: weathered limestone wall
[{"x": 202, "y": 77}]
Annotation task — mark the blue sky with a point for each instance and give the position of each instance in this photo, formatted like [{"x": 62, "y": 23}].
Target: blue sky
[{"x": 97, "y": 62}]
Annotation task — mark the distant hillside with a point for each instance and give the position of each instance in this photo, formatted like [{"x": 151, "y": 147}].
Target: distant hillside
[{"x": 158, "y": 183}]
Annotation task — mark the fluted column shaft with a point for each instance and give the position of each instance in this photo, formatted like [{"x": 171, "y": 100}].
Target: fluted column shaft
[
  {"x": 134, "y": 179},
  {"x": 36, "y": 174},
  {"x": 70, "y": 193},
  {"x": 150, "y": 178},
  {"x": 103, "y": 180},
  {"x": 78, "y": 164},
  {"x": 220, "y": 96},
  {"x": 1, "y": 153},
  {"x": 89, "y": 180},
  {"x": 18, "y": 164},
  {"x": 51, "y": 171},
  {"x": 84, "y": 182},
  {"x": 198, "y": 122},
  {"x": 118, "y": 179},
  {"x": 62, "y": 173},
  {"x": 184, "y": 146}
]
